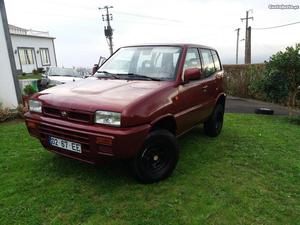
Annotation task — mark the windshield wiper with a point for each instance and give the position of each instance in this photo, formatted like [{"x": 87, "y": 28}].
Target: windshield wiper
[
  {"x": 108, "y": 73},
  {"x": 134, "y": 75}
]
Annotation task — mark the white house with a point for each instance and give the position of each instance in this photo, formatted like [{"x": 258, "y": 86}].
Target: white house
[{"x": 32, "y": 49}]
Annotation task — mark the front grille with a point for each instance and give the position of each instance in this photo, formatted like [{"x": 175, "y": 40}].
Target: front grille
[
  {"x": 79, "y": 116},
  {"x": 78, "y": 137},
  {"x": 52, "y": 111},
  {"x": 83, "y": 117}
]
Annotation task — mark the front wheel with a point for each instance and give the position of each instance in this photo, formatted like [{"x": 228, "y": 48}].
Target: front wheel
[
  {"x": 158, "y": 158},
  {"x": 213, "y": 126}
]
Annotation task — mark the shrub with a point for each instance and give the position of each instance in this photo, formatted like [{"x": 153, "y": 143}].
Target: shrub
[
  {"x": 8, "y": 114},
  {"x": 23, "y": 74},
  {"x": 35, "y": 72},
  {"x": 5, "y": 113},
  {"x": 40, "y": 70},
  {"x": 21, "y": 110},
  {"x": 282, "y": 77},
  {"x": 29, "y": 90}
]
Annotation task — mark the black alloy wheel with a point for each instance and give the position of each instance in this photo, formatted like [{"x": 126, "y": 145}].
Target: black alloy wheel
[{"x": 158, "y": 158}]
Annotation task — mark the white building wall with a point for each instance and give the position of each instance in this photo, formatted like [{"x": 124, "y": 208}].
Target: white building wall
[
  {"x": 8, "y": 95},
  {"x": 25, "y": 41}
]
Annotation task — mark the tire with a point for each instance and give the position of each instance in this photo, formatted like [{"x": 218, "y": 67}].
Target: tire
[
  {"x": 213, "y": 126},
  {"x": 264, "y": 111},
  {"x": 158, "y": 157}
]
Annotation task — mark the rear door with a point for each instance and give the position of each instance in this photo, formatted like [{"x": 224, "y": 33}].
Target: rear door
[
  {"x": 192, "y": 95},
  {"x": 209, "y": 71}
]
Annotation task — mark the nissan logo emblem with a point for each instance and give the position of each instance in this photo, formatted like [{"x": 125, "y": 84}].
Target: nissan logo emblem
[{"x": 63, "y": 114}]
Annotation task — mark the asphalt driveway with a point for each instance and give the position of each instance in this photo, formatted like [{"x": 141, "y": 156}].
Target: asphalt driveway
[{"x": 243, "y": 105}]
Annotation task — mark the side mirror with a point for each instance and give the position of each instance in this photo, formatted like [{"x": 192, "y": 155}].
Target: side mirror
[
  {"x": 95, "y": 68},
  {"x": 192, "y": 74}
]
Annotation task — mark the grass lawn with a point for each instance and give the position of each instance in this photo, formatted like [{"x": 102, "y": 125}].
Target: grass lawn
[
  {"x": 30, "y": 76},
  {"x": 248, "y": 175}
]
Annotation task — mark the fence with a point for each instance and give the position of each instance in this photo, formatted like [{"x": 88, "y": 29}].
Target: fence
[{"x": 239, "y": 79}]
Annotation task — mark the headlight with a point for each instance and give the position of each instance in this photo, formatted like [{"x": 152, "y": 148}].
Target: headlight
[
  {"x": 108, "y": 118},
  {"x": 35, "y": 106}
]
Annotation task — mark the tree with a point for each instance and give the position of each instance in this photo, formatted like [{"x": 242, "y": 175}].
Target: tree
[{"x": 282, "y": 80}]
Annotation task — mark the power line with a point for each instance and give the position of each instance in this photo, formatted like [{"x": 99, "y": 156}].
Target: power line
[
  {"x": 147, "y": 17},
  {"x": 284, "y": 25},
  {"x": 89, "y": 8}
]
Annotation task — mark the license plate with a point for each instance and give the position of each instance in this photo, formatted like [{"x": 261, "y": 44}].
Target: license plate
[{"x": 67, "y": 145}]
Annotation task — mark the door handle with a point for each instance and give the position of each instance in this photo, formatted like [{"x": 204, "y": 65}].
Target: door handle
[
  {"x": 219, "y": 76},
  {"x": 204, "y": 88}
]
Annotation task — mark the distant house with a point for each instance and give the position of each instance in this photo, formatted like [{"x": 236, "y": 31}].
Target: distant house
[{"x": 32, "y": 49}]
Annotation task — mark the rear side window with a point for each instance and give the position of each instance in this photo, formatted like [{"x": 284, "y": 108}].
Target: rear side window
[
  {"x": 207, "y": 62},
  {"x": 216, "y": 60},
  {"x": 192, "y": 59}
]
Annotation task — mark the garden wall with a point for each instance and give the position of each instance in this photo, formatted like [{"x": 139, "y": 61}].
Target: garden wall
[{"x": 239, "y": 79}]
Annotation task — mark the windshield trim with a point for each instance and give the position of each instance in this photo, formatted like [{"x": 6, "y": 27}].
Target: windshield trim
[{"x": 174, "y": 78}]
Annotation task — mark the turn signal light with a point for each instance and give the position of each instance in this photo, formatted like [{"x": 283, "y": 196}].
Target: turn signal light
[
  {"x": 31, "y": 125},
  {"x": 104, "y": 141}
]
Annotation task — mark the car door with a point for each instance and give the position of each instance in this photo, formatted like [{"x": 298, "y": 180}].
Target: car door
[
  {"x": 192, "y": 95},
  {"x": 209, "y": 71}
]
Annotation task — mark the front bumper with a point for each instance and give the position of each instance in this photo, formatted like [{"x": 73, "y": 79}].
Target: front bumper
[{"x": 125, "y": 142}]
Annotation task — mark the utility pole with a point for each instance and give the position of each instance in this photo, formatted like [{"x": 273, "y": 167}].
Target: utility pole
[
  {"x": 108, "y": 31},
  {"x": 249, "y": 44},
  {"x": 247, "y": 39},
  {"x": 237, "y": 45}
]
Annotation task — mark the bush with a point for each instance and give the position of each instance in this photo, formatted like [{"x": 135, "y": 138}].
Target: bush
[
  {"x": 35, "y": 72},
  {"x": 282, "y": 77},
  {"x": 29, "y": 90},
  {"x": 5, "y": 113},
  {"x": 40, "y": 70},
  {"x": 8, "y": 114},
  {"x": 21, "y": 110},
  {"x": 23, "y": 74},
  {"x": 274, "y": 86}
]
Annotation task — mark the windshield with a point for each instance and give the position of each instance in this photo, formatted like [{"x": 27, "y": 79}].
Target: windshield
[
  {"x": 158, "y": 62},
  {"x": 55, "y": 71}
]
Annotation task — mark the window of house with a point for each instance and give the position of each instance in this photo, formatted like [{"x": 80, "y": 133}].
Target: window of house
[
  {"x": 26, "y": 56},
  {"x": 44, "y": 52},
  {"x": 207, "y": 62}
]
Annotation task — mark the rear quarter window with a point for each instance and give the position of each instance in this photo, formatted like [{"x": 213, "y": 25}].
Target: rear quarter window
[
  {"x": 216, "y": 60},
  {"x": 207, "y": 62}
]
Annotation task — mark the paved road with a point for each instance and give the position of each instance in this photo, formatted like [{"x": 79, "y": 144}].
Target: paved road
[{"x": 242, "y": 105}]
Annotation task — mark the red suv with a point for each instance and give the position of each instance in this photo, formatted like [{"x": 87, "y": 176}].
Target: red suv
[{"x": 134, "y": 107}]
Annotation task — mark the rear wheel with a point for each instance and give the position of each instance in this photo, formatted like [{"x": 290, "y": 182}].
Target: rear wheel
[
  {"x": 158, "y": 158},
  {"x": 213, "y": 126}
]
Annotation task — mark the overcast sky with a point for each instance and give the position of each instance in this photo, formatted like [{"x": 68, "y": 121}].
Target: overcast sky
[{"x": 78, "y": 27}]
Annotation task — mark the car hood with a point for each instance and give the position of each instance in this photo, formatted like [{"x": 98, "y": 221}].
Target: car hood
[{"x": 93, "y": 94}]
